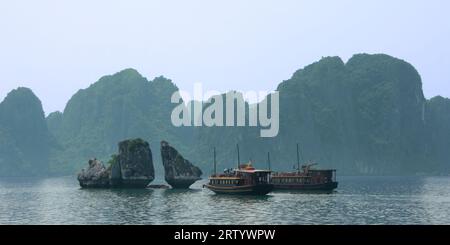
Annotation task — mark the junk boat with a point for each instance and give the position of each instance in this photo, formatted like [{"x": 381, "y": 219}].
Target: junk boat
[
  {"x": 244, "y": 180},
  {"x": 305, "y": 179}
]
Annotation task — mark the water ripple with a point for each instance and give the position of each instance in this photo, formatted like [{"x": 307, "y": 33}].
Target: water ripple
[{"x": 359, "y": 200}]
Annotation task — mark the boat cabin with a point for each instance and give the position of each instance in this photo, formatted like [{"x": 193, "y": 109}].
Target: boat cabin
[
  {"x": 305, "y": 178},
  {"x": 237, "y": 177},
  {"x": 245, "y": 180}
]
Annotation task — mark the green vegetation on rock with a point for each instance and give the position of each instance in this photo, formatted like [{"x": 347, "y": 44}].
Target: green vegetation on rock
[{"x": 124, "y": 105}]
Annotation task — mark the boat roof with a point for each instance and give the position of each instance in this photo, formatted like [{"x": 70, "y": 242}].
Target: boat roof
[
  {"x": 291, "y": 176},
  {"x": 251, "y": 171},
  {"x": 322, "y": 169},
  {"x": 225, "y": 177}
]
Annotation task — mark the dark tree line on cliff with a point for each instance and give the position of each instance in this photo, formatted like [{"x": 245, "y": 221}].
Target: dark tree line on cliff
[{"x": 366, "y": 116}]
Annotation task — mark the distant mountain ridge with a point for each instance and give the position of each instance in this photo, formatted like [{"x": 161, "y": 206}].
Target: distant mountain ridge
[
  {"x": 361, "y": 117},
  {"x": 117, "y": 107},
  {"x": 25, "y": 141},
  {"x": 365, "y": 116}
]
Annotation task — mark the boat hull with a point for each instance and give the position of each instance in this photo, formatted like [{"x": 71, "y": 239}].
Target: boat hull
[
  {"x": 325, "y": 187},
  {"x": 242, "y": 190}
]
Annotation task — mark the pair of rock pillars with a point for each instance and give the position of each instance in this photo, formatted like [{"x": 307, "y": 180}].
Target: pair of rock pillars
[{"x": 133, "y": 168}]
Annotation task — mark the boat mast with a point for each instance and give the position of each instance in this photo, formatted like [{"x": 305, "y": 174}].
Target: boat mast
[
  {"x": 298, "y": 158},
  {"x": 215, "y": 163},
  {"x": 268, "y": 160},
  {"x": 239, "y": 158}
]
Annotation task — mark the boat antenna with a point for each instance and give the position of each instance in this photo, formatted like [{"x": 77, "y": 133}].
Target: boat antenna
[
  {"x": 298, "y": 158},
  {"x": 268, "y": 160},
  {"x": 215, "y": 163},
  {"x": 239, "y": 158}
]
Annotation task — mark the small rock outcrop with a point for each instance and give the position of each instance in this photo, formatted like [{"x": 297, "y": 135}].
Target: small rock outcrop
[
  {"x": 95, "y": 176},
  {"x": 179, "y": 172},
  {"x": 131, "y": 168}
]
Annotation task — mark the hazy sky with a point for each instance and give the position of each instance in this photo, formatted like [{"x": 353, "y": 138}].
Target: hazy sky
[{"x": 56, "y": 47}]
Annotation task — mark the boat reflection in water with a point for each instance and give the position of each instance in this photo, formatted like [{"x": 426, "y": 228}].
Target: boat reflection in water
[{"x": 244, "y": 180}]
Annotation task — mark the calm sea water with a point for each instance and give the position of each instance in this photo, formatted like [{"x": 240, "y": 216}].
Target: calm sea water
[{"x": 358, "y": 200}]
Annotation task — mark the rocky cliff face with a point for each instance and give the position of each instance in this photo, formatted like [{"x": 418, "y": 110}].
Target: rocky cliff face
[
  {"x": 389, "y": 106},
  {"x": 179, "y": 172},
  {"x": 95, "y": 176},
  {"x": 131, "y": 168},
  {"x": 24, "y": 136},
  {"x": 437, "y": 123},
  {"x": 367, "y": 116},
  {"x": 134, "y": 164},
  {"x": 121, "y": 106}
]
